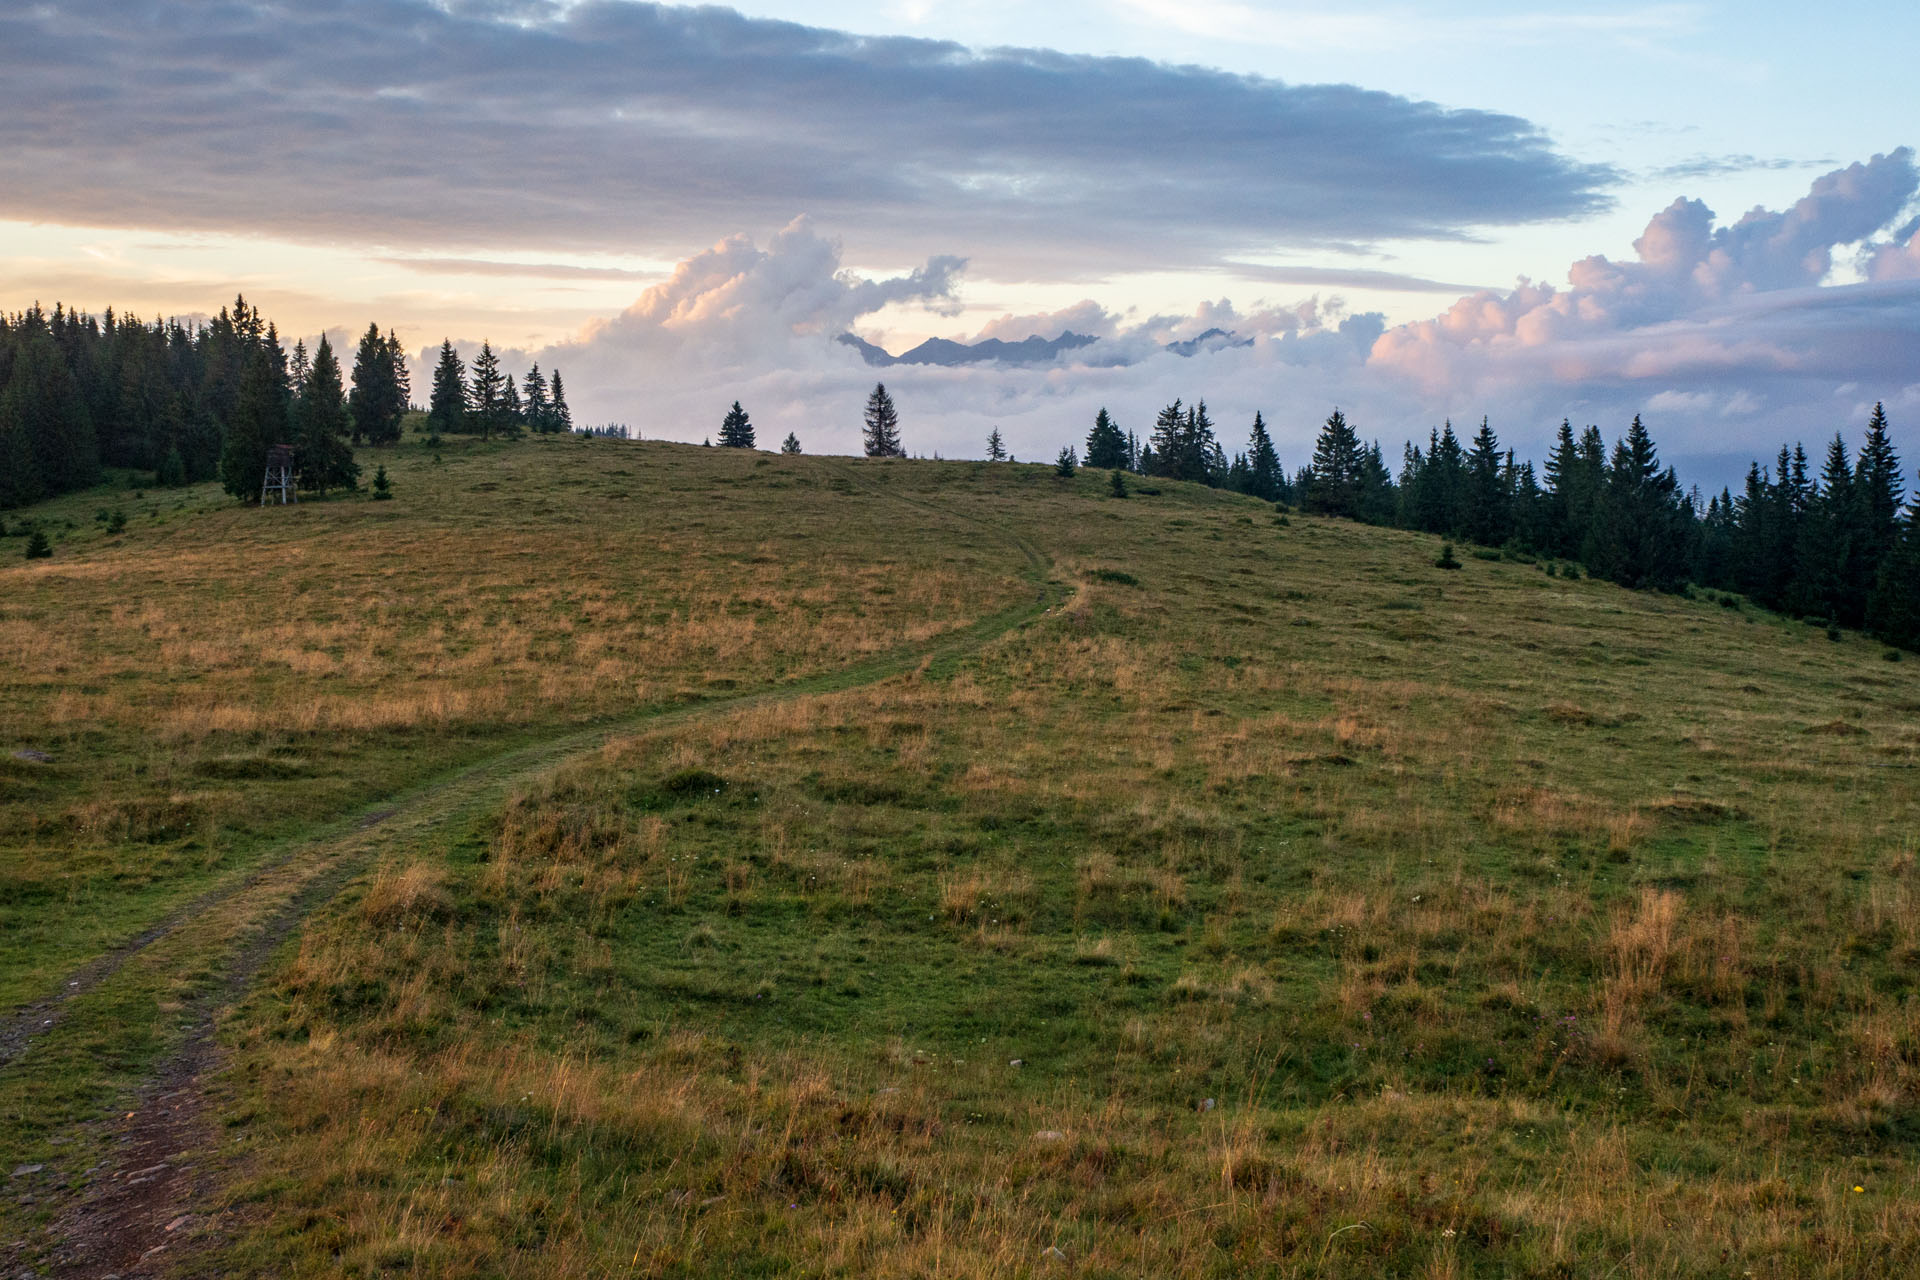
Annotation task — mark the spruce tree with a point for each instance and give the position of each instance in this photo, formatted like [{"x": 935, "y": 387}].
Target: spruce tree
[
  {"x": 379, "y": 398},
  {"x": 1184, "y": 448},
  {"x": 539, "y": 412},
  {"x": 38, "y": 548},
  {"x": 1819, "y": 586},
  {"x": 258, "y": 423},
  {"x": 1240, "y": 474},
  {"x": 882, "y": 432},
  {"x": 322, "y": 454},
  {"x": 1106, "y": 446},
  {"x": 996, "y": 447},
  {"x": 1486, "y": 516},
  {"x": 1117, "y": 483},
  {"x": 1563, "y": 465},
  {"x": 487, "y": 392},
  {"x": 1378, "y": 500},
  {"x": 447, "y": 412},
  {"x": 1064, "y": 465},
  {"x": 399, "y": 381},
  {"x": 1643, "y": 525},
  {"x": 1877, "y": 482},
  {"x": 300, "y": 367},
  {"x": 512, "y": 415},
  {"x": 562, "y": 416},
  {"x": 1337, "y": 462},
  {"x": 1893, "y": 613},
  {"x": 1877, "y": 494},
  {"x": 736, "y": 431},
  {"x": 1264, "y": 476},
  {"x": 791, "y": 445},
  {"x": 1164, "y": 445}
]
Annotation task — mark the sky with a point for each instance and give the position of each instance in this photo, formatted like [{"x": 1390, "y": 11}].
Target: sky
[{"x": 1703, "y": 213}]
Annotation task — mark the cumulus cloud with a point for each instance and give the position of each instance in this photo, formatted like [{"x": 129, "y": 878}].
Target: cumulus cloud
[
  {"x": 736, "y": 304},
  {"x": 1699, "y": 299},
  {"x": 603, "y": 124},
  {"x": 1899, "y": 258}
]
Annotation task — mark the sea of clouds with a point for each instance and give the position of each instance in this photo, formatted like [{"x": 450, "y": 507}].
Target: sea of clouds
[{"x": 1729, "y": 336}]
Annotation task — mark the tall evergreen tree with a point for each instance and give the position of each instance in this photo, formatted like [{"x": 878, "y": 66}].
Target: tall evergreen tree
[
  {"x": 1878, "y": 493},
  {"x": 539, "y": 410},
  {"x": 1337, "y": 462},
  {"x": 258, "y": 423},
  {"x": 1439, "y": 505},
  {"x": 996, "y": 447},
  {"x": 487, "y": 392},
  {"x": 1377, "y": 498},
  {"x": 1164, "y": 445},
  {"x": 736, "y": 432},
  {"x": 1642, "y": 528},
  {"x": 1894, "y": 609},
  {"x": 447, "y": 412},
  {"x": 562, "y": 416},
  {"x": 322, "y": 454},
  {"x": 378, "y": 400},
  {"x": 400, "y": 380},
  {"x": 1486, "y": 516},
  {"x": 1106, "y": 446},
  {"x": 1265, "y": 478},
  {"x": 1821, "y": 552},
  {"x": 1184, "y": 448},
  {"x": 300, "y": 367},
  {"x": 513, "y": 415},
  {"x": 882, "y": 430}
]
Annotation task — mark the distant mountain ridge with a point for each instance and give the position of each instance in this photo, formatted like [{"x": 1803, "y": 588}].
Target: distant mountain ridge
[
  {"x": 945, "y": 351},
  {"x": 1028, "y": 351},
  {"x": 1211, "y": 340}
]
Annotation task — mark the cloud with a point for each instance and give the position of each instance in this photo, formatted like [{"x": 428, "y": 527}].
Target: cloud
[
  {"x": 1698, "y": 299},
  {"x": 1729, "y": 337},
  {"x": 601, "y": 125},
  {"x": 1899, "y": 258},
  {"x": 1344, "y": 278},
  {"x": 534, "y": 270},
  {"x": 1706, "y": 166}
]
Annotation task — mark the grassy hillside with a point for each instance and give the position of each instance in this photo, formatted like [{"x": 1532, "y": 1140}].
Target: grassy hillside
[{"x": 1275, "y": 903}]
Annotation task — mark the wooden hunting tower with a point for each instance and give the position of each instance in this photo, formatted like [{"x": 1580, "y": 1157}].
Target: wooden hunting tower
[{"x": 279, "y": 476}]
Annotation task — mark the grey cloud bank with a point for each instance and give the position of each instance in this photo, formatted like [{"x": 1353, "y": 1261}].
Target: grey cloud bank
[{"x": 637, "y": 126}]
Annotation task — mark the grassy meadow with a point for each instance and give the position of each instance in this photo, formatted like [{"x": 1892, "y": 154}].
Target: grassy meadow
[
  {"x": 218, "y": 676},
  {"x": 1276, "y": 904}
]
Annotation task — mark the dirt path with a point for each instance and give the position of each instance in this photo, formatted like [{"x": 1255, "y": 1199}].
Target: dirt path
[{"x": 147, "y": 1204}]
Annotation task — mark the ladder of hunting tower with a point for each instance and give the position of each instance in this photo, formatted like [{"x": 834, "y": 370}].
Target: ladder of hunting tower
[{"x": 279, "y": 476}]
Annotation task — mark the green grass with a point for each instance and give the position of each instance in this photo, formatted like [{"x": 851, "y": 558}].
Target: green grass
[
  {"x": 1276, "y": 904},
  {"x": 218, "y": 678}
]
